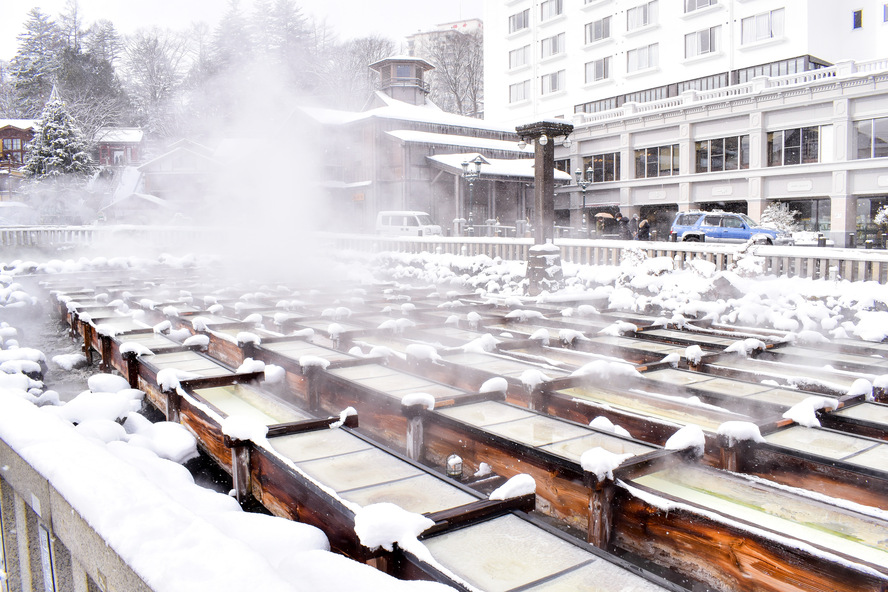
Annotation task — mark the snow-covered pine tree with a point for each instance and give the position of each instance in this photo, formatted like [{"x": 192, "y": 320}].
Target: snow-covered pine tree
[
  {"x": 778, "y": 215},
  {"x": 58, "y": 150}
]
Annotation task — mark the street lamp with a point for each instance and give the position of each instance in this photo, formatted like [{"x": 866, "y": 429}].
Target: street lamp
[
  {"x": 471, "y": 173},
  {"x": 583, "y": 183}
]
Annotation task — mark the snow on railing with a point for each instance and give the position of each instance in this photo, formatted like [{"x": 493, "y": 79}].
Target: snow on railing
[{"x": 758, "y": 85}]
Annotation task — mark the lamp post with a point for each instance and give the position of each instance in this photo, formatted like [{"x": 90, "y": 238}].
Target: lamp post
[
  {"x": 471, "y": 173},
  {"x": 583, "y": 183}
]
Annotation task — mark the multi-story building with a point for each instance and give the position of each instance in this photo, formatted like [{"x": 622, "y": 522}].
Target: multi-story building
[
  {"x": 710, "y": 104},
  {"x": 553, "y": 58}
]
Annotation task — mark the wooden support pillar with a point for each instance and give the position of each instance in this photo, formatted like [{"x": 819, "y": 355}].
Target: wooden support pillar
[
  {"x": 132, "y": 368},
  {"x": 172, "y": 404},
  {"x": 730, "y": 453},
  {"x": 105, "y": 363},
  {"x": 86, "y": 332},
  {"x": 240, "y": 468},
  {"x": 415, "y": 431},
  {"x": 880, "y": 393},
  {"x": 312, "y": 389},
  {"x": 601, "y": 509},
  {"x": 539, "y": 399}
]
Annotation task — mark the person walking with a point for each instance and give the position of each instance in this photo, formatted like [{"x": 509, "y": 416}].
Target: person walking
[
  {"x": 644, "y": 230},
  {"x": 623, "y": 226},
  {"x": 633, "y": 226}
]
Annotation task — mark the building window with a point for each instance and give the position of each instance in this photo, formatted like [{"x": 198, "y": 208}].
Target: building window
[
  {"x": 519, "y": 21},
  {"x": 702, "y": 42},
  {"x": 598, "y": 30},
  {"x": 661, "y": 161},
  {"x": 519, "y": 57},
  {"x": 800, "y": 145},
  {"x": 550, "y": 9},
  {"x": 692, "y": 5},
  {"x": 722, "y": 154},
  {"x": 642, "y": 57},
  {"x": 552, "y": 45},
  {"x": 767, "y": 25},
  {"x": 605, "y": 167},
  {"x": 872, "y": 138},
  {"x": 598, "y": 70},
  {"x": 519, "y": 91},
  {"x": 552, "y": 82},
  {"x": 641, "y": 16},
  {"x": 12, "y": 150},
  {"x": 857, "y": 19}
]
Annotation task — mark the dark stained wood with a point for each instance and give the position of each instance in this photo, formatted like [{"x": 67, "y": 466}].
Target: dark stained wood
[{"x": 726, "y": 557}]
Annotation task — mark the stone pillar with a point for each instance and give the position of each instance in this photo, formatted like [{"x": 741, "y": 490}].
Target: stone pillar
[{"x": 544, "y": 174}]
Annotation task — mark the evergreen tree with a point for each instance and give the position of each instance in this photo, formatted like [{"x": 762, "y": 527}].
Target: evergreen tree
[
  {"x": 35, "y": 65},
  {"x": 58, "y": 150}
]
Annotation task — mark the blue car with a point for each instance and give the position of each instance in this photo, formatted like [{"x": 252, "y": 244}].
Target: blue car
[{"x": 724, "y": 227}]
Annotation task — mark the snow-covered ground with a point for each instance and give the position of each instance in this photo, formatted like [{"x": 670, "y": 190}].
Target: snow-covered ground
[{"x": 179, "y": 536}]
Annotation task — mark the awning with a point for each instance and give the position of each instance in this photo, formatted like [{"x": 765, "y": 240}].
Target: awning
[{"x": 501, "y": 168}]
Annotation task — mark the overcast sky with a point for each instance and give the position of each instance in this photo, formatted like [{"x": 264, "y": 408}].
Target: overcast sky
[{"x": 349, "y": 18}]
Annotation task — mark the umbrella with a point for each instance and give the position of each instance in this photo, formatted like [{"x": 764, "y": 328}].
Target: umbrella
[{"x": 603, "y": 215}]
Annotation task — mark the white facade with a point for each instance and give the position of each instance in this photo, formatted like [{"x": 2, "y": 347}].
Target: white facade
[
  {"x": 552, "y": 58},
  {"x": 817, "y": 141}
]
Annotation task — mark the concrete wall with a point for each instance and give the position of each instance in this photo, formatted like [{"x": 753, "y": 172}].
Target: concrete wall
[{"x": 47, "y": 546}]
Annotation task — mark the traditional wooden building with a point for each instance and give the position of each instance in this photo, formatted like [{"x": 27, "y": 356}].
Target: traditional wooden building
[
  {"x": 118, "y": 146},
  {"x": 402, "y": 152}
]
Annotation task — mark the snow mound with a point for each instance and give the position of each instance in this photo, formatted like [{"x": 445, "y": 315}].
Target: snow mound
[
  {"x": 520, "y": 484},
  {"x": 690, "y": 437},
  {"x": 382, "y": 525},
  {"x": 497, "y": 384},
  {"x": 69, "y": 361},
  {"x": 804, "y": 413},
  {"x": 740, "y": 431},
  {"x": 424, "y": 399},
  {"x": 602, "y": 462},
  {"x": 605, "y": 425},
  {"x": 423, "y": 352},
  {"x": 107, "y": 383}
]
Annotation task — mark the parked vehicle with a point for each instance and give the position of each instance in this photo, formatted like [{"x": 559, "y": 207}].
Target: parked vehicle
[
  {"x": 406, "y": 223},
  {"x": 13, "y": 213},
  {"x": 725, "y": 227}
]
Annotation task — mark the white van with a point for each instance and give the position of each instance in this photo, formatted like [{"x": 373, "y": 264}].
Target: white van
[{"x": 406, "y": 223}]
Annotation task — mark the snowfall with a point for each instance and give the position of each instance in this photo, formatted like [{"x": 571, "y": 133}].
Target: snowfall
[{"x": 125, "y": 475}]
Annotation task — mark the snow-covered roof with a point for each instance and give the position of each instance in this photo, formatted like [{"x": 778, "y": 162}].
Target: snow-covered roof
[
  {"x": 129, "y": 135},
  {"x": 455, "y": 140},
  {"x": 497, "y": 167},
  {"x": 146, "y": 197},
  {"x": 395, "y": 109},
  {"x": 172, "y": 153},
  {"x": 22, "y": 124}
]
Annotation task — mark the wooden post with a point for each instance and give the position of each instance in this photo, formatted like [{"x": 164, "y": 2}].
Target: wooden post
[
  {"x": 601, "y": 509},
  {"x": 105, "y": 363},
  {"x": 240, "y": 468},
  {"x": 539, "y": 400},
  {"x": 415, "y": 431},
  {"x": 86, "y": 331},
  {"x": 312, "y": 390},
  {"x": 729, "y": 453},
  {"x": 880, "y": 394},
  {"x": 172, "y": 404},
  {"x": 132, "y": 368}
]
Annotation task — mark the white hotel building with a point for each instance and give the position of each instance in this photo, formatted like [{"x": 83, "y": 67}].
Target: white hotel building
[{"x": 686, "y": 104}]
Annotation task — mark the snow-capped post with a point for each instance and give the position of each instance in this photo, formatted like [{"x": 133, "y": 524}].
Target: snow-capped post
[
  {"x": 598, "y": 476},
  {"x": 543, "y": 135},
  {"x": 132, "y": 368},
  {"x": 413, "y": 408},
  {"x": 880, "y": 389},
  {"x": 105, "y": 346},
  {"x": 240, "y": 467},
  {"x": 312, "y": 368},
  {"x": 734, "y": 440}
]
